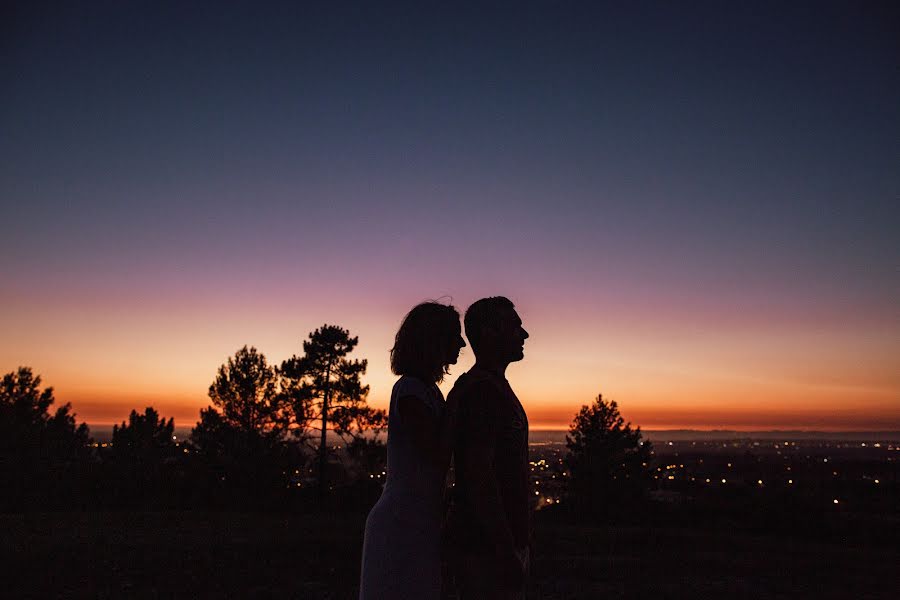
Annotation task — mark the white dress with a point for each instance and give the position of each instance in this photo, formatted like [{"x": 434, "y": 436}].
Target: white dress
[{"x": 402, "y": 548}]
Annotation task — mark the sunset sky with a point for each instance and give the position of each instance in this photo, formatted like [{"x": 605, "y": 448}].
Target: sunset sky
[{"x": 696, "y": 211}]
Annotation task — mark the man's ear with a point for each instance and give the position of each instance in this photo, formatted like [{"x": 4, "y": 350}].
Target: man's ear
[{"x": 490, "y": 332}]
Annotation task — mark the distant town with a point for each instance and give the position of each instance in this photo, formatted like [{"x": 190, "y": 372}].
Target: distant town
[
  {"x": 835, "y": 473},
  {"x": 836, "y": 470}
]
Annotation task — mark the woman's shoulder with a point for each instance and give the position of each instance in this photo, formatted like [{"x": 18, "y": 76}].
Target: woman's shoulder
[
  {"x": 410, "y": 386},
  {"x": 428, "y": 393}
]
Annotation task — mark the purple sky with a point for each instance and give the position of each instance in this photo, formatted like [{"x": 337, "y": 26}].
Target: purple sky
[{"x": 686, "y": 203}]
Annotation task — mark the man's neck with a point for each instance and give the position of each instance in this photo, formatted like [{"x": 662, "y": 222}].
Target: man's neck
[{"x": 493, "y": 365}]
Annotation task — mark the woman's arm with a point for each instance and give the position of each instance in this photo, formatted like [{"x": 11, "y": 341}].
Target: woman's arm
[{"x": 431, "y": 436}]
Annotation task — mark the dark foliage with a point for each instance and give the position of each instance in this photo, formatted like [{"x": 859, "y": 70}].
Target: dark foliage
[
  {"x": 145, "y": 440},
  {"x": 325, "y": 392},
  {"x": 239, "y": 453},
  {"x": 245, "y": 393},
  {"x": 143, "y": 463},
  {"x": 608, "y": 463},
  {"x": 368, "y": 455},
  {"x": 45, "y": 458}
]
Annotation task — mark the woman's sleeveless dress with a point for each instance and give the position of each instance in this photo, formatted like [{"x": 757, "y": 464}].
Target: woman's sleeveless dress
[{"x": 402, "y": 547}]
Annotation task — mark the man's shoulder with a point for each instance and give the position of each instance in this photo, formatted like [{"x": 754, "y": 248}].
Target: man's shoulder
[{"x": 476, "y": 382}]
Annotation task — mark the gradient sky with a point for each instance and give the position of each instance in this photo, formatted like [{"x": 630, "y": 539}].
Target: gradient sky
[{"x": 695, "y": 207}]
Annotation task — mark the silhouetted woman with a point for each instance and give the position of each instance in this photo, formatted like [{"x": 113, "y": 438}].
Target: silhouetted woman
[{"x": 402, "y": 547}]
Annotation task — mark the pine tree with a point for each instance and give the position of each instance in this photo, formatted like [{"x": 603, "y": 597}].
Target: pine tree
[
  {"x": 608, "y": 462},
  {"x": 324, "y": 389},
  {"x": 142, "y": 460},
  {"x": 239, "y": 440},
  {"x": 245, "y": 393},
  {"x": 42, "y": 454},
  {"x": 145, "y": 438}
]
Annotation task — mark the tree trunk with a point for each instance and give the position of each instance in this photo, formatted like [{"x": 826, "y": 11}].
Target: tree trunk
[{"x": 323, "y": 449}]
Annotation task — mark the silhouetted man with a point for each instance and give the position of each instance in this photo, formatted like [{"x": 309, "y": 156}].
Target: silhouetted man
[{"x": 490, "y": 519}]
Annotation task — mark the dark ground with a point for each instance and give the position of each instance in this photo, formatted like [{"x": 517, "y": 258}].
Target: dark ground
[{"x": 163, "y": 555}]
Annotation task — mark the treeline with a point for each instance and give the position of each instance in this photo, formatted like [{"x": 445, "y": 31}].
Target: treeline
[{"x": 262, "y": 444}]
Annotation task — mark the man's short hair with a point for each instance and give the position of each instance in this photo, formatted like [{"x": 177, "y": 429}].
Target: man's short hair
[{"x": 483, "y": 314}]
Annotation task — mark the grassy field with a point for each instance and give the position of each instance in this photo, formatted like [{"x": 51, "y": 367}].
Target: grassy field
[{"x": 212, "y": 555}]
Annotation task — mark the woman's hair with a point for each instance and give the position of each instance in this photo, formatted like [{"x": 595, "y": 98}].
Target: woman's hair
[{"x": 422, "y": 342}]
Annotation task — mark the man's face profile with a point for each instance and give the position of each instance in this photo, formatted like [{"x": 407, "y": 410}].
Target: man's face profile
[
  {"x": 508, "y": 336},
  {"x": 515, "y": 335}
]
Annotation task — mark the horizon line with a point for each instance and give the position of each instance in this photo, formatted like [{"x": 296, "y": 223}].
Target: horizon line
[{"x": 647, "y": 430}]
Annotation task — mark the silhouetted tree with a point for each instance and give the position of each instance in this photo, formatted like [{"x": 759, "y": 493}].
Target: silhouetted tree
[
  {"x": 240, "y": 439},
  {"x": 142, "y": 459},
  {"x": 146, "y": 438},
  {"x": 245, "y": 392},
  {"x": 41, "y": 454},
  {"x": 608, "y": 463},
  {"x": 325, "y": 391}
]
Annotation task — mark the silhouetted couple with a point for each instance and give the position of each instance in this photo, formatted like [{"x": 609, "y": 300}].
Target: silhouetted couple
[{"x": 485, "y": 533}]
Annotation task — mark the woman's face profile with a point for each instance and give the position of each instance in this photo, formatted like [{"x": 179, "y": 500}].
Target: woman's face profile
[{"x": 457, "y": 343}]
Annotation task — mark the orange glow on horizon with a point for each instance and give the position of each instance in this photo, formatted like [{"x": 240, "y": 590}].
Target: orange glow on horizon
[
  {"x": 663, "y": 369},
  {"x": 97, "y": 410}
]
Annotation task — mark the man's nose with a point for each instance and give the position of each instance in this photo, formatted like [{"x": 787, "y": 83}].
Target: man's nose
[{"x": 524, "y": 334}]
